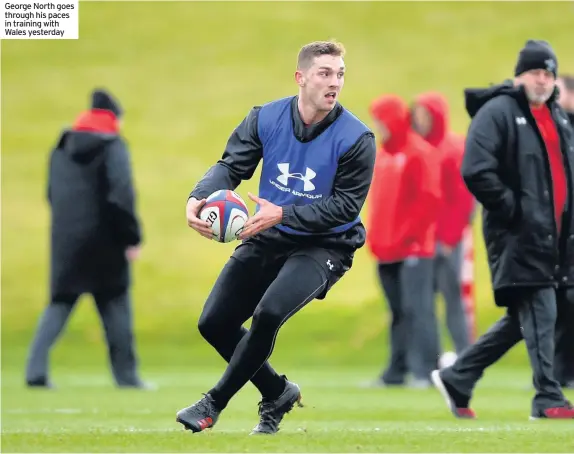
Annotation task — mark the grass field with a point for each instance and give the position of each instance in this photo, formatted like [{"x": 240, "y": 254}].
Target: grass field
[
  {"x": 87, "y": 415},
  {"x": 187, "y": 73}
]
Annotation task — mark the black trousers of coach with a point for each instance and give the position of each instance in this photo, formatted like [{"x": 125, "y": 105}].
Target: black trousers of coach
[
  {"x": 564, "y": 359},
  {"x": 269, "y": 282},
  {"x": 114, "y": 308},
  {"x": 530, "y": 316}
]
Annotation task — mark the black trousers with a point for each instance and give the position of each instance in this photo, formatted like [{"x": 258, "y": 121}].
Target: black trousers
[
  {"x": 448, "y": 282},
  {"x": 531, "y": 316},
  {"x": 114, "y": 308},
  {"x": 564, "y": 358},
  {"x": 408, "y": 288},
  {"x": 271, "y": 284}
]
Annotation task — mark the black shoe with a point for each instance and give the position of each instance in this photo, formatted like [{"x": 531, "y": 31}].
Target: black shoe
[
  {"x": 200, "y": 416},
  {"x": 271, "y": 412},
  {"x": 40, "y": 383},
  {"x": 564, "y": 411},
  {"x": 457, "y": 403},
  {"x": 568, "y": 384}
]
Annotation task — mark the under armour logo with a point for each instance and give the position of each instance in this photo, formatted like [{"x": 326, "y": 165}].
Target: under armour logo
[
  {"x": 306, "y": 179},
  {"x": 330, "y": 264},
  {"x": 550, "y": 65},
  {"x": 520, "y": 120}
]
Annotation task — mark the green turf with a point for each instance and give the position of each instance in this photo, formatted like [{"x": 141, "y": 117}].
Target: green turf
[
  {"x": 187, "y": 73},
  {"x": 88, "y": 415}
]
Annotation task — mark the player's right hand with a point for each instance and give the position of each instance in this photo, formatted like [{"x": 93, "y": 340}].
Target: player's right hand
[{"x": 192, "y": 210}]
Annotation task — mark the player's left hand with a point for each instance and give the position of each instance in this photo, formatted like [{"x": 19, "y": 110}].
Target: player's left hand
[{"x": 268, "y": 215}]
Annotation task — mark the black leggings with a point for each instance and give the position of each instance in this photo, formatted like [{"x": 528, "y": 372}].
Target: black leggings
[{"x": 271, "y": 292}]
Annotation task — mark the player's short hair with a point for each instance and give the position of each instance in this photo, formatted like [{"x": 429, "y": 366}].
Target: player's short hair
[
  {"x": 568, "y": 81},
  {"x": 317, "y": 48}
]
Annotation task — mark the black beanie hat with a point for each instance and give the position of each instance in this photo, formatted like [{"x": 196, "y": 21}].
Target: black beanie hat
[
  {"x": 101, "y": 99},
  {"x": 536, "y": 54}
]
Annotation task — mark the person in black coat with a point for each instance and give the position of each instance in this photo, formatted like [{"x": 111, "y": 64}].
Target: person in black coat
[
  {"x": 95, "y": 233},
  {"x": 519, "y": 164},
  {"x": 564, "y": 359}
]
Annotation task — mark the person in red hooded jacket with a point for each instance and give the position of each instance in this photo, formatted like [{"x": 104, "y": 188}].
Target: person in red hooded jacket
[
  {"x": 430, "y": 120},
  {"x": 402, "y": 223}
]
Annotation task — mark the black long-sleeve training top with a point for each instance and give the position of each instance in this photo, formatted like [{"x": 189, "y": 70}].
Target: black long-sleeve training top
[{"x": 244, "y": 150}]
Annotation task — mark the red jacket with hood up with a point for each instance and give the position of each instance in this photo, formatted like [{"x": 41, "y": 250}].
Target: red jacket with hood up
[
  {"x": 456, "y": 201},
  {"x": 404, "y": 196}
]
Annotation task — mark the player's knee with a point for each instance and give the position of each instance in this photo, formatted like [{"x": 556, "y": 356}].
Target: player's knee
[
  {"x": 208, "y": 327},
  {"x": 267, "y": 317}
]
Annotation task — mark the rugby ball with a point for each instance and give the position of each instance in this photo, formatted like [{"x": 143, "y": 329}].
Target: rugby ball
[{"x": 226, "y": 212}]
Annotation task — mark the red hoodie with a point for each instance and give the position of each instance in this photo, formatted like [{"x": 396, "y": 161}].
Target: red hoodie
[
  {"x": 97, "y": 120},
  {"x": 404, "y": 194},
  {"x": 456, "y": 201}
]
